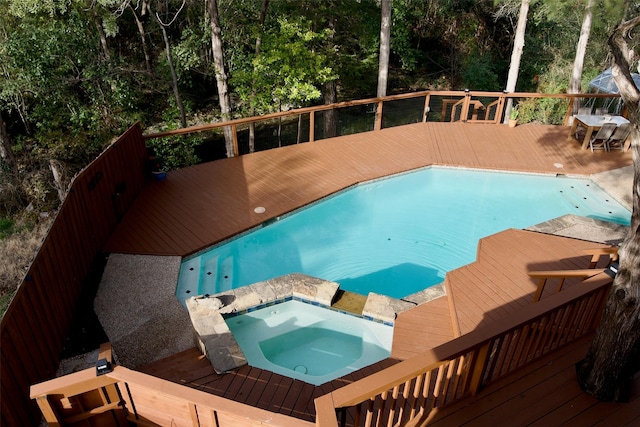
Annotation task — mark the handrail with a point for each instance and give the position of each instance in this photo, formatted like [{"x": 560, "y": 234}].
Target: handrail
[
  {"x": 136, "y": 390},
  {"x": 543, "y": 276},
  {"x": 466, "y": 95},
  {"x": 461, "y": 367}
]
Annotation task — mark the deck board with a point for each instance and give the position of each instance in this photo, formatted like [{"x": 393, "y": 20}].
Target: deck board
[
  {"x": 497, "y": 284},
  {"x": 201, "y": 205},
  {"x": 541, "y": 394}
]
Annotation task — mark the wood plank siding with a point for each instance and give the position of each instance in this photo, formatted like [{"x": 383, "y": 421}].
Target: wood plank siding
[{"x": 201, "y": 205}]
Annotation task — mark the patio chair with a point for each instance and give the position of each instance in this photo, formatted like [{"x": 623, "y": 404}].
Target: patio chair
[
  {"x": 602, "y": 111},
  {"x": 584, "y": 111},
  {"x": 619, "y": 137},
  {"x": 599, "y": 140}
]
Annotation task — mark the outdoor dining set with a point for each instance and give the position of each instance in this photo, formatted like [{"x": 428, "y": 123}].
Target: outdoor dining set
[{"x": 601, "y": 131}]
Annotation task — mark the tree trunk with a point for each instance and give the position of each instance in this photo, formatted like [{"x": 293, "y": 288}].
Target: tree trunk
[
  {"x": 10, "y": 183},
  {"x": 516, "y": 54},
  {"x": 221, "y": 75},
  {"x": 143, "y": 37},
  {"x": 103, "y": 36},
  {"x": 174, "y": 76},
  {"x": 252, "y": 125},
  {"x": 57, "y": 170},
  {"x": 330, "y": 96},
  {"x": 581, "y": 49},
  {"x": 330, "y": 117},
  {"x": 6, "y": 153},
  {"x": 385, "y": 31},
  {"x": 607, "y": 370}
]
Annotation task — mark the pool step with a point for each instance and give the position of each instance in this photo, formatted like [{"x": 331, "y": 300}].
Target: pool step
[{"x": 350, "y": 302}]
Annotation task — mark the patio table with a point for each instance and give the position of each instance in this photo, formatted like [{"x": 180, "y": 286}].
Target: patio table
[{"x": 593, "y": 123}]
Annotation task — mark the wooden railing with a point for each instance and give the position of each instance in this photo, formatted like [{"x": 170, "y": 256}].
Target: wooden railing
[
  {"x": 124, "y": 396},
  {"x": 411, "y": 392},
  {"x": 408, "y": 393},
  {"x": 37, "y": 321},
  {"x": 464, "y": 106}
]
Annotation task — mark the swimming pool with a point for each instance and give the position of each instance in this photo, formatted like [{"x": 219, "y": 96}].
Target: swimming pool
[
  {"x": 309, "y": 342},
  {"x": 394, "y": 236}
]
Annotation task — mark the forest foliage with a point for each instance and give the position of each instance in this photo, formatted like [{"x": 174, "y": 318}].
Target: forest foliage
[{"x": 76, "y": 73}]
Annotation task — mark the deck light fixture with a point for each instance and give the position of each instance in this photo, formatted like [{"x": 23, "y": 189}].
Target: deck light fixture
[{"x": 103, "y": 367}]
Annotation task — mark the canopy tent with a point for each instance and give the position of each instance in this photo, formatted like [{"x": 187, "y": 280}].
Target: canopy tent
[{"x": 604, "y": 83}]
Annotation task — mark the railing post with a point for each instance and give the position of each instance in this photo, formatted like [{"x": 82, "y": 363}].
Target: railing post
[
  {"x": 500, "y": 109},
  {"x": 464, "y": 113},
  {"x": 426, "y": 110},
  {"x": 378, "y": 124},
  {"x": 569, "y": 113},
  {"x": 478, "y": 366},
  {"x": 48, "y": 412},
  {"x": 326, "y": 411},
  {"x": 312, "y": 125},
  {"x": 234, "y": 131}
]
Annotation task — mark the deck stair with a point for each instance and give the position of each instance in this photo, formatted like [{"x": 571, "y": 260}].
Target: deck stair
[{"x": 494, "y": 286}]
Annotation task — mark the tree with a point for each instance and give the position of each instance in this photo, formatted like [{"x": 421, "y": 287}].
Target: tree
[
  {"x": 612, "y": 360},
  {"x": 516, "y": 55},
  {"x": 172, "y": 68},
  {"x": 221, "y": 75},
  {"x": 581, "y": 49},
  {"x": 385, "y": 47},
  {"x": 252, "y": 125}
]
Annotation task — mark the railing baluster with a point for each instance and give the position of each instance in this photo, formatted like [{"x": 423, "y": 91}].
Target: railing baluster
[
  {"x": 369, "y": 416},
  {"x": 416, "y": 394},
  {"x": 393, "y": 406},
  {"x": 406, "y": 391}
]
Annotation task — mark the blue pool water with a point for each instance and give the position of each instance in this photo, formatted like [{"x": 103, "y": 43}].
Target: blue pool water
[
  {"x": 309, "y": 343},
  {"x": 395, "y": 236}
]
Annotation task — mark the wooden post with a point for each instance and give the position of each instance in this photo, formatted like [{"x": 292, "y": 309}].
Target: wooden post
[
  {"x": 426, "y": 109},
  {"x": 500, "y": 110},
  {"x": 325, "y": 411},
  {"x": 478, "y": 366},
  {"x": 48, "y": 412},
  {"x": 312, "y": 125},
  {"x": 464, "y": 113},
  {"x": 569, "y": 112},
  {"x": 378, "y": 124},
  {"x": 234, "y": 131}
]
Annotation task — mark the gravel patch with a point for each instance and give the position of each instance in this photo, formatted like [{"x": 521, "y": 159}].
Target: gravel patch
[{"x": 138, "y": 309}]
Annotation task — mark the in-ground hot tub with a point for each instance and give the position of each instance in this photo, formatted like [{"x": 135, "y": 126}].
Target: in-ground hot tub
[{"x": 309, "y": 342}]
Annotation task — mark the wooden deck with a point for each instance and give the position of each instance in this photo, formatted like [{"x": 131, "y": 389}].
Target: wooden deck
[
  {"x": 198, "y": 206},
  {"x": 545, "y": 393},
  {"x": 492, "y": 287},
  {"x": 201, "y": 205},
  {"x": 253, "y": 386}
]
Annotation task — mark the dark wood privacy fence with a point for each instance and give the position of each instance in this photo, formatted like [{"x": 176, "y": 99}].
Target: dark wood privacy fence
[{"x": 34, "y": 328}]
